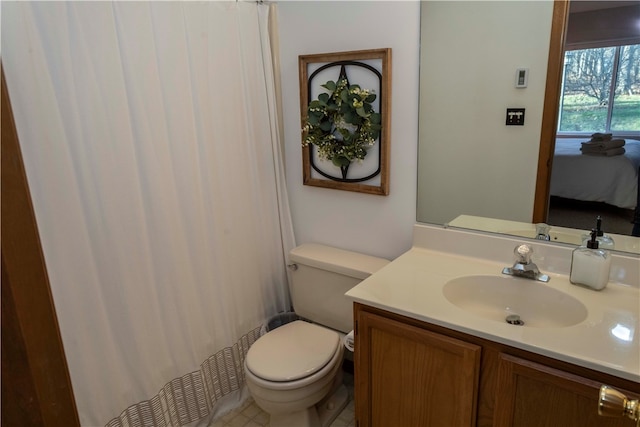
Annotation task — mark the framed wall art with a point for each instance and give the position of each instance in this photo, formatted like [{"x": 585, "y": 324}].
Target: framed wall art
[{"x": 345, "y": 106}]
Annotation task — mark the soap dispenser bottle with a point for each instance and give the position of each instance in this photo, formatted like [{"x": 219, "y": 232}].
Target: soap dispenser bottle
[
  {"x": 604, "y": 240},
  {"x": 590, "y": 265}
]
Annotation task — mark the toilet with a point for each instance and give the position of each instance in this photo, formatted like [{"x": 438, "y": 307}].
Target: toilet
[{"x": 294, "y": 372}]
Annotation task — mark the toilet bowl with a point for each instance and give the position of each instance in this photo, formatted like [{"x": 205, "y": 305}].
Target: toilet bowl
[
  {"x": 292, "y": 369},
  {"x": 294, "y": 372}
]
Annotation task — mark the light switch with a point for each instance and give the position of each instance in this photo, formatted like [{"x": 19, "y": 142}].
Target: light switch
[{"x": 515, "y": 117}]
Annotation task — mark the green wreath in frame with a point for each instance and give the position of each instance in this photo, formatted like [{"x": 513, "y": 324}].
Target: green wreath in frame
[{"x": 342, "y": 123}]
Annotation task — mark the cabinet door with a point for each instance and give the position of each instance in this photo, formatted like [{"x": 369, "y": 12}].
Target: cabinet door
[
  {"x": 530, "y": 394},
  {"x": 407, "y": 376}
]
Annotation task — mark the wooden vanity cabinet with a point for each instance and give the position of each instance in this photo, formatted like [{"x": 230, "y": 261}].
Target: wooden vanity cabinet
[
  {"x": 411, "y": 373},
  {"x": 408, "y": 376},
  {"x": 531, "y": 394}
]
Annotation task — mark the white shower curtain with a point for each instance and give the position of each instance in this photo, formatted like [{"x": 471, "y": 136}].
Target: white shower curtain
[{"x": 150, "y": 139}]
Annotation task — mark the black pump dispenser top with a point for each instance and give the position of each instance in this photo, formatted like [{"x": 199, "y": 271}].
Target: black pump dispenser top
[
  {"x": 599, "y": 226},
  {"x": 593, "y": 243}
]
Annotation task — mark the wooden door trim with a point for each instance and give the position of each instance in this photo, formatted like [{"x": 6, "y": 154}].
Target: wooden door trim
[
  {"x": 550, "y": 111},
  {"x": 35, "y": 377}
]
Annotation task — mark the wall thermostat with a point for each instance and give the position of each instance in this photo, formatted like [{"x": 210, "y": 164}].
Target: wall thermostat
[{"x": 522, "y": 77}]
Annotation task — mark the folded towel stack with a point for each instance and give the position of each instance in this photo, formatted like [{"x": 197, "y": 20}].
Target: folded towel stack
[
  {"x": 603, "y": 144},
  {"x": 601, "y": 136}
]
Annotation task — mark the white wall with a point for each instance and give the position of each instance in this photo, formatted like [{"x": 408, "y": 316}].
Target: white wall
[{"x": 371, "y": 224}]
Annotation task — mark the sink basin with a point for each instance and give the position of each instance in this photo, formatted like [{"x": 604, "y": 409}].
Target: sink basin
[{"x": 501, "y": 297}]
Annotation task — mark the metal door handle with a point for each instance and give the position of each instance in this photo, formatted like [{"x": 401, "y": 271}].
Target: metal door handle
[{"x": 612, "y": 403}]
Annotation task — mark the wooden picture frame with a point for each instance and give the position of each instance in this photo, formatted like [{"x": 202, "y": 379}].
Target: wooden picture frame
[{"x": 370, "y": 69}]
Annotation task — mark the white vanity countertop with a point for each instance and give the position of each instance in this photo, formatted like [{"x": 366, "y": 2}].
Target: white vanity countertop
[
  {"x": 557, "y": 234},
  {"x": 411, "y": 285}
]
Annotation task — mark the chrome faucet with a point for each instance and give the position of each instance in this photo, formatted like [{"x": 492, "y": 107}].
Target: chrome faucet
[
  {"x": 523, "y": 266},
  {"x": 542, "y": 231}
]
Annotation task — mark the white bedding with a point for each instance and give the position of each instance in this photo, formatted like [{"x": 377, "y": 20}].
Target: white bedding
[{"x": 613, "y": 180}]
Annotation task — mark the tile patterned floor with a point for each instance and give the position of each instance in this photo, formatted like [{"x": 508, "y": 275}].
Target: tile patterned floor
[{"x": 250, "y": 415}]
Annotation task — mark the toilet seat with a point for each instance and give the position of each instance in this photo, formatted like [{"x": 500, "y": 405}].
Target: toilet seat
[{"x": 291, "y": 352}]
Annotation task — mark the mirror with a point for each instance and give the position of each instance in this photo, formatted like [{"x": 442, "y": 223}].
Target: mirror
[{"x": 470, "y": 164}]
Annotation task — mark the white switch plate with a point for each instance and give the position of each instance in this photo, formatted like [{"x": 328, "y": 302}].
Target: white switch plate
[{"x": 522, "y": 77}]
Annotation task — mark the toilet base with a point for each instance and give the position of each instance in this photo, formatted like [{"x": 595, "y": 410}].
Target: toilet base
[
  {"x": 319, "y": 415},
  {"x": 329, "y": 408}
]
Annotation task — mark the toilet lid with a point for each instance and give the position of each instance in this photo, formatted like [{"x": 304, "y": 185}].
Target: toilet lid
[{"x": 292, "y": 351}]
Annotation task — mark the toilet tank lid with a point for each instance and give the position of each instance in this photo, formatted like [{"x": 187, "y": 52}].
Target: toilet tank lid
[{"x": 340, "y": 261}]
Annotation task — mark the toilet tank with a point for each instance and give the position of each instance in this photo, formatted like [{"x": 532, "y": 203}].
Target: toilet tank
[{"x": 322, "y": 277}]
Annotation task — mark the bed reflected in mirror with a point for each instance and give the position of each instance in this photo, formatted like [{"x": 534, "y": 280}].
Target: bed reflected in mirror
[
  {"x": 596, "y": 159},
  {"x": 585, "y": 185}
]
